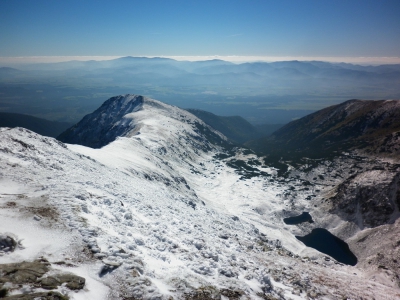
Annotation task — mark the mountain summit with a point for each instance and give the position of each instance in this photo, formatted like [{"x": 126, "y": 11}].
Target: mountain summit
[
  {"x": 106, "y": 123},
  {"x": 130, "y": 115}
]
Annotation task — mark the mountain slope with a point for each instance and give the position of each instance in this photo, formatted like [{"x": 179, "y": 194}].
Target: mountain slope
[
  {"x": 235, "y": 128},
  {"x": 127, "y": 115},
  {"x": 157, "y": 212},
  {"x": 38, "y": 125},
  {"x": 349, "y": 155},
  {"x": 361, "y": 124}
]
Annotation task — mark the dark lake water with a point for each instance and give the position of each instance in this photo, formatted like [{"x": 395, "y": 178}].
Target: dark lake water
[
  {"x": 325, "y": 242},
  {"x": 304, "y": 217}
]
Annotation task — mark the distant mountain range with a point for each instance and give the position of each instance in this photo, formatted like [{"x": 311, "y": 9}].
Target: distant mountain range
[
  {"x": 170, "y": 67},
  {"x": 260, "y": 92},
  {"x": 169, "y": 72}
]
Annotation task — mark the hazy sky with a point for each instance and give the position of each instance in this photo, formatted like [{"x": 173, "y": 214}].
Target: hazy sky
[{"x": 349, "y": 28}]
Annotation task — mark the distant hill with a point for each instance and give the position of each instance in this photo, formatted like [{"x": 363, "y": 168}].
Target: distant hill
[
  {"x": 373, "y": 126},
  {"x": 38, "y": 125},
  {"x": 235, "y": 128},
  {"x": 6, "y": 72}
]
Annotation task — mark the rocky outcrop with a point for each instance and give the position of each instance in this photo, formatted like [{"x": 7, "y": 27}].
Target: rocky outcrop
[
  {"x": 71, "y": 281},
  {"x": 7, "y": 243},
  {"x": 42, "y": 296},
  {"x": 23, "y": 272},
  {"x": 369, "y": 199},
  {"x": 34, "y": 274}
]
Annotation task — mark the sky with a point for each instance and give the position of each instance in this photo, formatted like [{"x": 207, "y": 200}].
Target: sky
[{"x": 338, "y": 29}]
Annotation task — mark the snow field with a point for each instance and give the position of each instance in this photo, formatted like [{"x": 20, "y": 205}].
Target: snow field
[{"x": 154, "y": 214}]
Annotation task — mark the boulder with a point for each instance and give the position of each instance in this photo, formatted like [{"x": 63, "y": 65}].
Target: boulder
[{"x": 71, "y": 281}]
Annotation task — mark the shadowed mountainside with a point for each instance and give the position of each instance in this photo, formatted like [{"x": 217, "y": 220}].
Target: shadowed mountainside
[
  {"x": 38, "y": 125},
  {"x": 236, "y": 128},
  {"x": 115, "y": 118},
  {"x": 373, "y": 126}
]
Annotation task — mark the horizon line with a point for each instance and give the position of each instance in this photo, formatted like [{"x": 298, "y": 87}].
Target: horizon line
[{"x": 373, "y": 60}]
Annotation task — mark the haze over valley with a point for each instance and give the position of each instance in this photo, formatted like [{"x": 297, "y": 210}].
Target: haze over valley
[{"x": 262, "y": 93}]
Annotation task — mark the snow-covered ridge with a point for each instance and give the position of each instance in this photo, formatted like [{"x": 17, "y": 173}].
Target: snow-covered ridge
[
  {"x": 129, "y": 115},
  {"x": 106, "y": 123},
  {"x": 153, "y": 214}
]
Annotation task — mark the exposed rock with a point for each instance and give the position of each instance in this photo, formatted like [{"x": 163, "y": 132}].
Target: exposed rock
[
  {"x": 266, "y": 296},
  {"x": 24, "y": 272},
  {"x": 204, "y": 293},
  {"x": 7, "y": 243},
  {"x": 108, "y": 267},
  {"x": 108, "y": 125},
  {"x": 232, "y": 294},
  {"x": 73, "y": 282},
  {"x": 39, "y": 296},
  {"x": 14, "y": 275},
  {"x": 369, "y": 198}
]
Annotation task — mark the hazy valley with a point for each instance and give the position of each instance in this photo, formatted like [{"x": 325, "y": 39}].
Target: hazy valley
[{"x": 272, "y": 93}]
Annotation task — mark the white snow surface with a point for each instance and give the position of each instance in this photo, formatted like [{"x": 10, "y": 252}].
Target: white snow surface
[{"x": 167, "y": 215}]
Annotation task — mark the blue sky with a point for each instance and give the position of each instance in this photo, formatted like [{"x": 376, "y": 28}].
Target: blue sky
[{"x": 336, "y": 28}]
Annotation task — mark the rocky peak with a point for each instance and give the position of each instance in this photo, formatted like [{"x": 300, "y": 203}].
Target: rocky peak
[
  {"x": 133, "y": 115},
  {"x": 116, "y": 107},
  {"x": 105, "y": 124}
]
